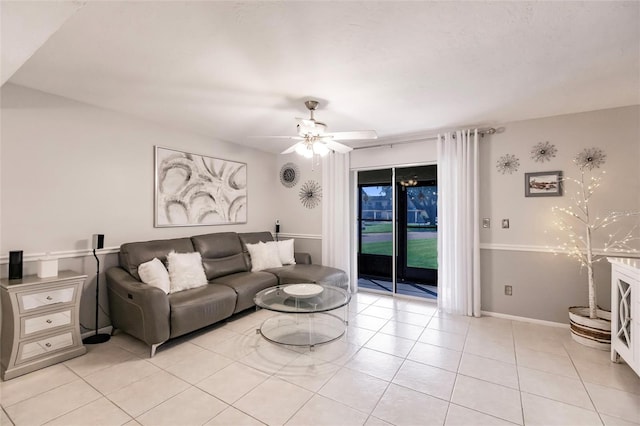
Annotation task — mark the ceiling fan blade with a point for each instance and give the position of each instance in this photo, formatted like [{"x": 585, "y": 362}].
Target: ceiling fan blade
[
  {"x": 291, "y": 149},
  {"x": 360, "y": 134},
  {"x": 338, "y": 147},
  {"x": 297, "y": 138}
]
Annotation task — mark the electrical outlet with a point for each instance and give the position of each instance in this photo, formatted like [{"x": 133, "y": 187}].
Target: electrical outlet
[
  {"x": 508, "y": 290},
  {"x": 505, "y": 223},
  {"x": 486, "y": 222}
]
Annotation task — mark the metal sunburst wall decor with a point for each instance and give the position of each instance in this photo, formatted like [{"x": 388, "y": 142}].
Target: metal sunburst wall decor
[
  {"x": 310, "y": 194},
  {"x": 289, "y": 175},
  {"x": 590, "y": 158},
  {"x": 543, "y": 151},
  {"x": 508, "y": 164}
]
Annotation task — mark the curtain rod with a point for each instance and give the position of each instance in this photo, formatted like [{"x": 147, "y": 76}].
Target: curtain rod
[{"x": 481, "y": 132}]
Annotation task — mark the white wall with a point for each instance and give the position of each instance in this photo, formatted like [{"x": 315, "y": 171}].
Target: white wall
[
  {"x": 424, "y": 152},
  {"x": 69, "y": 170},
  {"x": 296, "y": 221},
  {"x": 615, "y": 131}
]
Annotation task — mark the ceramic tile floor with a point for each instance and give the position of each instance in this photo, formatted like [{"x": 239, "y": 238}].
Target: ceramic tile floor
[{"x": 401, "y": 363}]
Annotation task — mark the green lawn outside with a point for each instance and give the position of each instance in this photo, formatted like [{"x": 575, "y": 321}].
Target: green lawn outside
[
  {"x": 378, "y": 228},
  {"x": 421, "y": 253}
]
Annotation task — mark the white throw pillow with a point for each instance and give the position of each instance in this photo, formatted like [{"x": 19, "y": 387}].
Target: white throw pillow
[
  {"x": 285, "y": 251},
  {"x": 263, "y": 256},
  {"x": 185, "y": 271},
  {"x": 155, "y": 274}
]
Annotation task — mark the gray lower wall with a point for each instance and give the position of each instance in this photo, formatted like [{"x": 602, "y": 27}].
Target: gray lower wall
[
  {"x": 544, "y": 284},
  {"x": 311, "y": 246}
]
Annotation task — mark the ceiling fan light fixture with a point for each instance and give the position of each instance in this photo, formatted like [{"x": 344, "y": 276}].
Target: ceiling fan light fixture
[
  {"x": 302, "y": 149},
  {"x": 320, "y": 148},
  {"x": 316, "y": 143},
  {"x": 409, "y": 182}
]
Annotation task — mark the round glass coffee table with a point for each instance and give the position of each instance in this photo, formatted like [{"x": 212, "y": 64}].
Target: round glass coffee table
[{"x": 308, "y": 314}]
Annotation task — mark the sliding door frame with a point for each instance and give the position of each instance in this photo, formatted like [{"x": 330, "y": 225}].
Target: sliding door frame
[{"x": 354, "y": 206}]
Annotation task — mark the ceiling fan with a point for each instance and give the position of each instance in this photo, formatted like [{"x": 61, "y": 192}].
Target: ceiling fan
[{"x": 313, "y": 140}]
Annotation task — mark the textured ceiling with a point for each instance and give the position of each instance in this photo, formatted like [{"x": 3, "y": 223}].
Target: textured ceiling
[{"x": 237, "y": 70}]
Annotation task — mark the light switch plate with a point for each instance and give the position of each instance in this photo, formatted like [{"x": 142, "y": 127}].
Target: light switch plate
[
  {"x": 486, "y": 222},
  {"x": 505, "y": 223}
]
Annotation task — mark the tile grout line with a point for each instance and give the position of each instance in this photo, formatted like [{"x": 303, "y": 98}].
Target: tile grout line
[
  {"x": 515, "y": 355},
  {"x": 584, "y": 385}
]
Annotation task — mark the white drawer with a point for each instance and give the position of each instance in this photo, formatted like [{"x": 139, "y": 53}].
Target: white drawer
[
  {"x": 45, "y": 322},
  {"x": 30, "y": 350},
  {"x": 31, "y": 301}
]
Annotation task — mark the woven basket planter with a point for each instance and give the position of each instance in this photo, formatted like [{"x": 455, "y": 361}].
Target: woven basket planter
[{"x": 595, "y": 333}]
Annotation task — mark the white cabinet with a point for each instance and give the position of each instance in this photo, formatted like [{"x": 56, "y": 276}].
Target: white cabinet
[
  {"x": 625, "y": 311},
  {"x": 40, "y": 324}
]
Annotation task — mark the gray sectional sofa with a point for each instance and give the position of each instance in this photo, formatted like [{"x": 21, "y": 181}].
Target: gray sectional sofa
[{"x": 154, "y": 317}]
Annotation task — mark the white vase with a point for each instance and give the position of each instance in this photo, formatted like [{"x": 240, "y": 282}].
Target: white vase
[{"x": 595, "y": 333}]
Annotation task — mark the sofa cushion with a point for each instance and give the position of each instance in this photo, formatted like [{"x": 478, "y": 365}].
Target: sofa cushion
[
  {"x": 285, "y": 251},
  {"x": 303, "y": 273},
  {"x": 263, "y": 256},
  {"x": 155, "y": 274},
  {"x": 221, "y": 254},
  {"x": 252, "y": 238},
  {"x": 133, "y": 255},
  {"x": 246, "y": 285},
  {"x": 199, "y": 307},
  {"x": 185, "y": 271}
]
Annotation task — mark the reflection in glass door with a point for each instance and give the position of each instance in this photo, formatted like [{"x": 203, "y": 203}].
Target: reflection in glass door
[
  {"x": 375, "y": 224},
  {"x": 408, "y": 207}
]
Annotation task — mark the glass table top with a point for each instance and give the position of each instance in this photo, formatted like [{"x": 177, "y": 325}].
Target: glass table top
[{"x": 302, "y": 298}]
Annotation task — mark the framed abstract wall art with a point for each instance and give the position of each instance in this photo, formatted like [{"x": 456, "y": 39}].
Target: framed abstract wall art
[{"x": 195, "y": 190}]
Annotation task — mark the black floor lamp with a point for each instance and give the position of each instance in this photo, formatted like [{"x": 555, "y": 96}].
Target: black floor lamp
[{"x": 98, "y": 243}]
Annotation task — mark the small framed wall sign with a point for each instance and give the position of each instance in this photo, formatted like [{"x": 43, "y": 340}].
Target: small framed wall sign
[{"x": 543, "y": 184}]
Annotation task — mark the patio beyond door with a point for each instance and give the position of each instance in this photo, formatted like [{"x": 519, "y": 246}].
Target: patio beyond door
[{"x": 398, "y": 230}]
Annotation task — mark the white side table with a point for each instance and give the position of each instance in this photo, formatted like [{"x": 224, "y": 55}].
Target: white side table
[
  {"x": 40, "y": 322},
  {"x": 625, "y": 311}
]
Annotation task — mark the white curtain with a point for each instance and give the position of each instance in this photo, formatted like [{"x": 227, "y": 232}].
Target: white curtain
[
  {"x": 458, "y": 224},
  {"x": 335, "y": 213}
]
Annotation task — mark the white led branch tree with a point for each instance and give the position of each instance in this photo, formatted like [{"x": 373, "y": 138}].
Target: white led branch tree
[{"x": 580, "y": 226}]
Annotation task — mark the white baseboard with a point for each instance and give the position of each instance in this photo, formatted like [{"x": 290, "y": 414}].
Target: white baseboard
[{"x": 525, "y": 319}]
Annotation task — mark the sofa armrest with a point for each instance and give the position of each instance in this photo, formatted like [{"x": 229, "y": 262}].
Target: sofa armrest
[
  {"x": 302, "y": 258},
  {"x": 137, "y": 308}
]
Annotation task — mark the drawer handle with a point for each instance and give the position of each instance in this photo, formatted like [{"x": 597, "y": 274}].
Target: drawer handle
[
  {"x": 48, "y": 345},
  {"x": 49, "y": 298},
  {"x": 49, "y": 321}
]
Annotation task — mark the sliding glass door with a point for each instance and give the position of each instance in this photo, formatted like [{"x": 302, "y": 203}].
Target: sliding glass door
[
  {"x": 375, "y": 224},
  {"x": 398, "y": 231}
]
